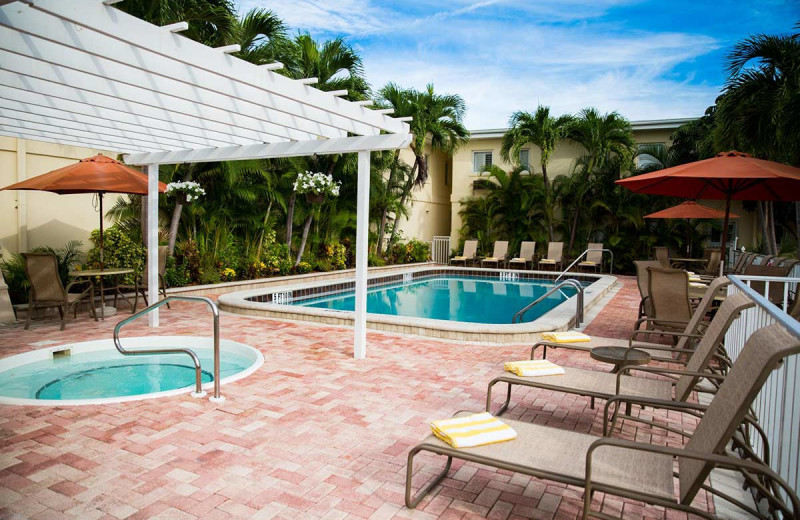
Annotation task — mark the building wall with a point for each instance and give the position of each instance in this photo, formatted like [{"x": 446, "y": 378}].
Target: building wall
[
  {"x": 33, "y": 218},
  {"x": 430, "y": 204}
]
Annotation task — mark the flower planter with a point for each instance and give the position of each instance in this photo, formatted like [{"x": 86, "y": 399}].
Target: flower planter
[{"x": 314, "y": 198}]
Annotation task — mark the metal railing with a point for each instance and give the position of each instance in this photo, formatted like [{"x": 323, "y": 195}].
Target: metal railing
[
  {"x": 519, "y": 316},
  {"x": 570, "y": 266},
  {"x": 440, "y": 250},
  {"x": 777, "y": 406},
  {"x": 198, "y": 372}
]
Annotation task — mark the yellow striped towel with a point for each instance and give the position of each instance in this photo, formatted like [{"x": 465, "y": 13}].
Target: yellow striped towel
[
  {"x": 472, "y": 430},
  {"x": 534, "y": 367},
  {"x": 569, "y": 336},
  {"x": 547, "y": 261},
  {"x": 490, "y": 259},
  {"x": 695, "y": 278},
  {"x": 698, "y": 285}
]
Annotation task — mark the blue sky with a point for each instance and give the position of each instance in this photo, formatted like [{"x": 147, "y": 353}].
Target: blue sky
[{"x": 645, "y": 59}]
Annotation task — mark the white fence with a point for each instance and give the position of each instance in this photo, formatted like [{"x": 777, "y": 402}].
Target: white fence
[
  {"x": 440, "y": 250},
  {"x": 777, "y": 406}
]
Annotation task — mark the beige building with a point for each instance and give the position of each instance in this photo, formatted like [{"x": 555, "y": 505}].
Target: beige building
[
  {"x": 34, "y": 218},
  {"x": 435, "y": 206}
]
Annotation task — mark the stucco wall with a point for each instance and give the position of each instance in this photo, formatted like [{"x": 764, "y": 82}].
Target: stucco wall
[
  {"x": 430, "y": 204},
  {"x": 32, "y": 218}
]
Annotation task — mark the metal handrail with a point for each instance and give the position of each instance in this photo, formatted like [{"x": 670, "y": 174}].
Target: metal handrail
[
  {"x": 579, "y": 301},
  {"x": 610, "y": 269},
  {"x": 198, "y": 373}
]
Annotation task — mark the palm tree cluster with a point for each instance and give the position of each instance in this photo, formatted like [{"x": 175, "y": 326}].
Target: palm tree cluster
[{"x": 250, "y": 219}]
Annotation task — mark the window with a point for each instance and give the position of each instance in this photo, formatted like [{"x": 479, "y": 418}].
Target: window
[
  {"x": 524, "y": 159},
  {"x": 648, "y": 153},
  {"x": 480, "y": 160}
]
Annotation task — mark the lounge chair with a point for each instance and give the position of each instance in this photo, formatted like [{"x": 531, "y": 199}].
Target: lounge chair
[
  {"x": 140, "y": 283},
  {"x": 468, "y": 254},
  {"x": 643, "y": 282},
  {"x": 499, "y": 255},
  {"x": 46, "y": 289},
  {"x": 712, "y": 266},
  {"x": 594, "y": 258},
  {"x": 605, "y": 385},
  {"x": 641, "y": 471},
  {"x": 669, "y": 299},
  {"x": 686, "y": 339},
  {"x": 526, "y": 252},
  {"x": 782, "y": 269},
  {"x": 661, "y": 254},
  {"x": 742, "y": 262},
  {"x": 555, "y": 256}
]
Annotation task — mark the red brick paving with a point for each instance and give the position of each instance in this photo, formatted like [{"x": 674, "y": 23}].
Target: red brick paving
[{"x": 312, "y": 434}]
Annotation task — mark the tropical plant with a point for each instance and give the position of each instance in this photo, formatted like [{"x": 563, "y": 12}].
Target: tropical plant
[{"x": 67, "y": 258}]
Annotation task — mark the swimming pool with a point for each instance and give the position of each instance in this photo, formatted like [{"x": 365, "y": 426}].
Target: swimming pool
[
  {"x": 469, "y": 299},
  {"x": 94, "y": 372},
  {"x": 283, "y": 299}
]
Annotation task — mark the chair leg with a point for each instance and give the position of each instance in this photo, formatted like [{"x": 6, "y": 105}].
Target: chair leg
[
  {"x": 30, "y": 313},
  {"x": 135, "y": 300},
  {"x": 63, "y": 311}
]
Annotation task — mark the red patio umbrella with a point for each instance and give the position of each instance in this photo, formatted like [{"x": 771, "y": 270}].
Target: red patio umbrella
[
  {"x": 689, "y": 210},
  {"x": 98, "y": 174},
  {"x": 730, "y": 176}
]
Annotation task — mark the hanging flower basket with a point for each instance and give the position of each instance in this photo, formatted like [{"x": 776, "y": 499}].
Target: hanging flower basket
[
  {"x": 185, "y": 192},
  {"x": 315, "y": 198}
]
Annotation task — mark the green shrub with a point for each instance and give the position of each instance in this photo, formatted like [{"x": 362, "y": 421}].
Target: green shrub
[
  {"x": 335, "y": 254},
  {"x": 374, "y": 260},
  {"x": 188, "y": 258},
  {"x": 175, "y": 275},
  {"x": 118, "y": 251},
  {"x": 303, "y": 268},
  {"x": 417, "y": 251}
]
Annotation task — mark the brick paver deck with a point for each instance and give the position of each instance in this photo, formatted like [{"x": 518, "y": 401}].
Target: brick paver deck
[{"x": 312, "y": 434}]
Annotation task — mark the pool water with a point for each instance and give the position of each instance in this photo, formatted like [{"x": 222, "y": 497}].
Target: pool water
[
  {"x": 466, "y": 299},
  {"x": 107, "y": 373}
]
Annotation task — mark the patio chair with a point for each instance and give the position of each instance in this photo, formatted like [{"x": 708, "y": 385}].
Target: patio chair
[
  {"x": 594, "y": 259},
  {"x": 669, "y": 299},
  {"x": 643, "y": 282},
  {"x": 140, "y": 283},
  {"x": 685, "y": 341},
  {"x": 499, "y": 255},
  {"x": 712, "y": 266},
  {"x": 776, "y": 288},
  {"x": 526, "y": 252},
  {"x": 605, "y": 385},
  {"x": 46, "y": 289},
  {"x": 468, "y": 254},
  {"x": 636, "y": 470},
  {"x": 555, "y": 256},
  {"x": 742, "y": 261},
  {"x": 661, "y": 254}
]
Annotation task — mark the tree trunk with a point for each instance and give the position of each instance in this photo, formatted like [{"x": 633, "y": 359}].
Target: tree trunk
[
  {"x": 403, "y": 197},
  {"x": 290, "y": 219},
  {"x": 385, "y": 211},
  {"x": 772, "y": 236},
  {"x": 261, "y": 238},
  {"x": 306, "y": 227},
  {"x": 797, "y": 225},
  {"x": 762, "y": 219},
  {"x": 548, "y": 214},
  {"x": 574, "y": 230},
  {"x": 173, "y": 227},
  {"x": 382, "y": 230}
]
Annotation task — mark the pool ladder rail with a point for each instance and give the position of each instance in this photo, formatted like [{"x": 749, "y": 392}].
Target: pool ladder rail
[
  {"x": 518, "y": 317},
  {"x": 570, "y": 266},
  {"x": 216, "y": 398}
]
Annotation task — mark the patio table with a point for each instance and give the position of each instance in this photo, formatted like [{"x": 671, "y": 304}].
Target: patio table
[
  {"x": 617, "y": 356},
  {"x": 101, "y": 274},
  {"x": 683, "y": 263}
]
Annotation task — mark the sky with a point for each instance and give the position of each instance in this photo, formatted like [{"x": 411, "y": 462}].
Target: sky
[{"x": 645, "y": 59}]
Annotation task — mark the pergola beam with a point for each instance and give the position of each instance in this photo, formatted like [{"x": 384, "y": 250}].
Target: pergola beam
[{"x": 263, "y": 151}]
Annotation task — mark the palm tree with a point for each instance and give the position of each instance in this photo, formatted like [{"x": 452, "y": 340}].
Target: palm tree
[
  {"x": 437, "y": 120},
  {"x": 211, "y": 22},
  {"x": 609, "y": 144},
  {"x": 543, "y": 131}
]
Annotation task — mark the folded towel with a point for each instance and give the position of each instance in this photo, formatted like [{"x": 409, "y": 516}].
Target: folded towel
[
  {"x": 546, "y": 261},
  {"x": 459, "y": 258},
  {"x": 519, "y": 259},
  {"x": 490, "y": 259},
  {"x": 695, "y": 279},
  {"x": 472, "y": 430},
  {"x": 569, "y": 336},
  {"x": 697, "y": 284},
  {"x": 690, "y": 273},
  {"x": 534, "y": 367},
  {"x": 587, "y": 262}
]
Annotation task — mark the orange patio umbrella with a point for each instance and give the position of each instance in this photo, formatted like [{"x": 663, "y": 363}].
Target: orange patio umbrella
[
  {"x": 729, "y": 176},
  {"x": 98, "y": 174},
  {"x": 690, "y": 210}
]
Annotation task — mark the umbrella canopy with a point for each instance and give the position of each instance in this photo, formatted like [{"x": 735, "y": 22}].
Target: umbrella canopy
[
  {"x": 690, "y": 210},
  {"x": 730, "y": 176},
  {"x": 98, "y": 174}
]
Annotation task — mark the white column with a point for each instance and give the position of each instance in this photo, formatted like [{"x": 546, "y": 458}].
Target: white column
[
  {"x": 362, "y": 235},
  {"x": 152, "y": 241}
]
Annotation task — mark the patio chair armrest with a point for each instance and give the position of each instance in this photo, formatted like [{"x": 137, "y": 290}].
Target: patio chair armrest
[
  {"x": 719, "y": 461},
  {"x": 659, "y": 370},
  {"x": 655, "y": 320},
  {"x": 553, "y": 344},
  {"x": 650, "y": 346},
  {"x": 80, "y": 282},
  {"x": 660, "y": 333},
  {"x": 678, "y": 406}
]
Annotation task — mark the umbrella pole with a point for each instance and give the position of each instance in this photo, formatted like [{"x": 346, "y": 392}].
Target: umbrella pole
[
  {"x": 100, "y": 195},
  {"x": 724, "y": 243},
  {"x": 688, "y": 239}
]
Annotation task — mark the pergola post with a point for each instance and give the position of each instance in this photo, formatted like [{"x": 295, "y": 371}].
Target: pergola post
[
  {"x": 362, "y": 246},
  {"x": 152, "y": 241}
]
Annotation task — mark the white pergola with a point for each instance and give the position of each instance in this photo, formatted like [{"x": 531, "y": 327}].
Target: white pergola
[{"x": 81, "y": 72}]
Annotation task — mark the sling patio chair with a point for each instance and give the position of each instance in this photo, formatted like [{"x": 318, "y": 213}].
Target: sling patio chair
[
  {"x": 605, "y": 385},
  {"x": 661, "y": 254},
  {"x": 526, "y": 252},
  {"x": 742, "y": 261},
  {"x": 637, "y": 470},
  {"x": 594, "y": 258},
  {"x": 499, "y": 255},
  {"x": 668, "y": 290},
  {"x": 643, "y": 282},
  {"x": 140, "y": 286},
  {"x": 469, "y": 253},
  {"x": 780, "y": 269},
  {"x": 46, "y": 289},
  {"x": 712, "y": 266},
  {"x": 685, "y": 341},
  {"x": 555, "y": 256}
]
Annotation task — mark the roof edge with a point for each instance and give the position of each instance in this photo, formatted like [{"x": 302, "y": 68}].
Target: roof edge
[{"x": 645, "y": 124}]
